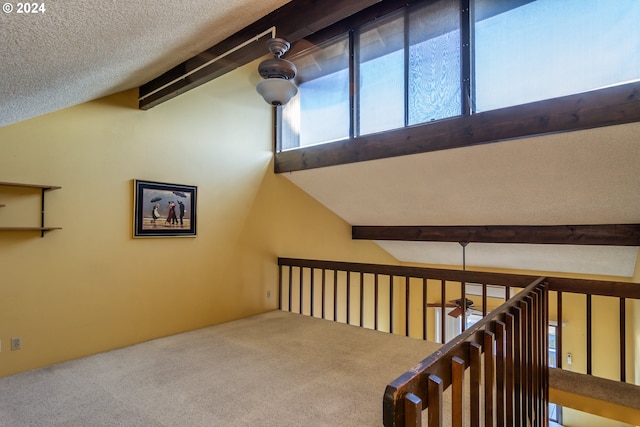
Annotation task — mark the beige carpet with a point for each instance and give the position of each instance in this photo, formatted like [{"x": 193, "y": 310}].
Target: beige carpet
[{"x": 274, "y": 369}]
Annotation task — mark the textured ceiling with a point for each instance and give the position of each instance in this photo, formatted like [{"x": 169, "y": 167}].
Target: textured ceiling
[{"x": 77, "y": 50}]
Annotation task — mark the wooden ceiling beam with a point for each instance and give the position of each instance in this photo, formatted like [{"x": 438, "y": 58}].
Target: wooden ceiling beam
[
  {"x": 605, "y": 107},
  {"x": 293, "y": 21},
  {"x": 606, "y": 234}
]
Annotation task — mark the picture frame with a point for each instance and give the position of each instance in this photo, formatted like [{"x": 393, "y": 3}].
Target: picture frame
[{"x": 164, "y": 210}]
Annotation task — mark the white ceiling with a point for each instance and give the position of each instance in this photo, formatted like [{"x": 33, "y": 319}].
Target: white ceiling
[
  {"x": 585, "y": 177},
  {"x": 77, "y": 51}
]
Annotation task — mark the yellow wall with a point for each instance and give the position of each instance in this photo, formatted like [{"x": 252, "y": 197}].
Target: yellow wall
[{"x": 91, "y": 287}]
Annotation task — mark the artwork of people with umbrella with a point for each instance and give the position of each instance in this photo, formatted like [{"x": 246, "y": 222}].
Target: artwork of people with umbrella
[{"x": 163, "y": 209}]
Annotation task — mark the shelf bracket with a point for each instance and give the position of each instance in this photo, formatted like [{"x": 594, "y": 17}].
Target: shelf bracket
[
  {"x": 44, "y": 189},
  {"x": 42, "y": 212}
]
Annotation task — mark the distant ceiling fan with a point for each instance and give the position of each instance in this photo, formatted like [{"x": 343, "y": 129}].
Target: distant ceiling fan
[
  {"x": 456, "y": 304},
  {"x": 457, "y": 311}
]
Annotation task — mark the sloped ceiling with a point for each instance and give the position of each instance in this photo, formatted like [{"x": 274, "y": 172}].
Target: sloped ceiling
[
  {"x": 583, "y": 177},
  {"x": 76, "y": 51}
]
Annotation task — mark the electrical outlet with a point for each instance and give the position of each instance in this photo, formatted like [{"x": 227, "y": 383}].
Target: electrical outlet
[{"x": 16, "y": 343}]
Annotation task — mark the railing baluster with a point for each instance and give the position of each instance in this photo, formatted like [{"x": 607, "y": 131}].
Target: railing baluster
[
  {"x": 544, "y": 352},
  {"x": 518, "y": 365},
  {"x": 424, "y": 309},
  {"x": 324, "y": 293},
  {"x": 407, "y": 304},
  {"x": 348, "y": 298},
  {"x": 335, "y": 295},
  {"x": 559, "y": 355},
  {"x": 434, "y": 391},
  {"x": 623, "y": 342},
  {"x": 457, "y": 392},
  {"x": 522, "y": 344},
  {"x": 545, "y": 360},
  {"x": 290, "y": 288},
  {"x": 475, "y": 372},
  {"x": 375, "y": 301},
  {"x": 301, "y": 286},
  {"x": 526, "y": 360},
  {"x": 412, "y": 410},
  {"x": 443, "y": 293},
  {"x": 484, "y": 299},
  {"x": 500, "y": 372},
  {"x": 361, "y": 299},
  {"x": 280, "y": 268},
  {"x": 535, "y": 362},
  {"x": 312, "y": 291},
  {"x": 589, "y": 332},
  {"x": 489, "y": 377},
  {"x": 535, "y": 359},
  {"x": 509, "y": 368},
  {"x": 391, "y": 311}
]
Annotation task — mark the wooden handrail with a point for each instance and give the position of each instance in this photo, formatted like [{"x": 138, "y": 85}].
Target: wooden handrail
[
  {"x": 563, "y": 284},
  {"x": 595, "y": 287},
  {"x": 515, "y": 280}
]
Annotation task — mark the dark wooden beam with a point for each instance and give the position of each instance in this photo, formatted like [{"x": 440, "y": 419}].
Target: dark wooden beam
[
  {"x": 608, "y": 234},
  {"x": 293, "y": 21},
  {"x": 604, "y": 107},
  {"x": 595, "y": 287}
]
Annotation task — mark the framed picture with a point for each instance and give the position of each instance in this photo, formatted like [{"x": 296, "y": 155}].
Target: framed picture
[{"x": 164, "y": 210}]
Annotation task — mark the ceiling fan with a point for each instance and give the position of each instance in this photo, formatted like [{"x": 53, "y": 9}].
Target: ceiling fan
[
  {"x": 457, "y": 311},
  {"x": 456, "y": 304}
]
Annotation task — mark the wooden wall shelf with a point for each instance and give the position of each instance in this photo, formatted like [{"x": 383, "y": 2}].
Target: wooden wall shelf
[
  {"x": 43, "y": 188},
  {"x": 29, "y": 228},
  {"x": 17, "y": 184}
]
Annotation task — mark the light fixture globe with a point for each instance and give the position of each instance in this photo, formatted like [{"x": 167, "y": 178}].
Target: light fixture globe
[
  {"x": 277, "y": 91},
  {"x": 277, "y": 88}
]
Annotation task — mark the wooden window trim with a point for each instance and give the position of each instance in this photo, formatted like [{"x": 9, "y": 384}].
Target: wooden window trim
[{"x": 605, "y": 107}]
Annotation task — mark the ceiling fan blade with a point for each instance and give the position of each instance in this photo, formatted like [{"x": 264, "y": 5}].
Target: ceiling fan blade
[{"x": 456, "y": 312}]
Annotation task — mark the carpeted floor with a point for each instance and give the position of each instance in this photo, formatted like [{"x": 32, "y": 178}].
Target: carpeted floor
[{"x": 274, "y": 369}]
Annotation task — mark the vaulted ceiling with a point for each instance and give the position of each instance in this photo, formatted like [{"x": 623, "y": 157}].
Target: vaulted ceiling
[
  {"x": 582, "y": 177},
  {"x": 76, "y": 51}
]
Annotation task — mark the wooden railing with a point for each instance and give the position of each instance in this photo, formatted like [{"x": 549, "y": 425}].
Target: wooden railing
[
  {"x": 385, "y": 297},
  {"x": 395, "y": 299},
  {"x": 508, "y": 372},
  {"x": 588, "y": 297}
]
